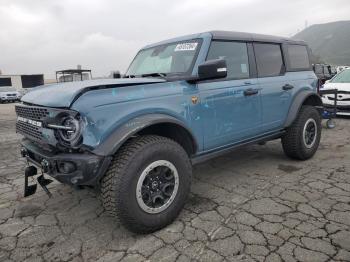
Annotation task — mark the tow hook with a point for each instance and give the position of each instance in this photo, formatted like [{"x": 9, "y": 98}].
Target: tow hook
[
  {"x": 45, "y": 165},
  {"x": 29, "y": 190}
]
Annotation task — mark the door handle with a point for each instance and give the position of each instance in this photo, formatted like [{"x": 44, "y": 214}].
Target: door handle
[
  {"x": 287, "y": 87},
  {"x": 250, "y": 92}
]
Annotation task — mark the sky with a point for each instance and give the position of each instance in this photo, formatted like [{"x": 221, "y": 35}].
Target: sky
[{"x": 42, "y": 36}]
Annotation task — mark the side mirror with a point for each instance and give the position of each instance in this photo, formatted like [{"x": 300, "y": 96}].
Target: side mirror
[{"x": 212, "y": 69}]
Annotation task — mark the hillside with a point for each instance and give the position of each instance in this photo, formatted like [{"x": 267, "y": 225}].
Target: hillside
[{"x": 330, "y": 42}]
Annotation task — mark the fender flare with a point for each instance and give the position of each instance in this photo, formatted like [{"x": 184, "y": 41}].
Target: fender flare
[
  {"x": 298, "y": 101},
  {"x": 123, "y": 132}
]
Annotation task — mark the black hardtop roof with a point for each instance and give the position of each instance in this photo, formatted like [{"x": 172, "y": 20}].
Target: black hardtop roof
[{"x": 241, "y": 36}]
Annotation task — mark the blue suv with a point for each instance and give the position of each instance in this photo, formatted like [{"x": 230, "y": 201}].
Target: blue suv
[{"x": 181, "y": 101}]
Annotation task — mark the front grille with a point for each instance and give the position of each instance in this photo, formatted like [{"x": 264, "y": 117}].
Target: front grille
[
  {"x": 35, "y": 113},
  {"x": 339, "y": 99},
  {"x": 28, "y": 129},
  {"x": 11, "y": 94}
]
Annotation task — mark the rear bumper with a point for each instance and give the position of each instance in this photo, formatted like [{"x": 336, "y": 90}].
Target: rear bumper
[{"x": 84, "y": 168}]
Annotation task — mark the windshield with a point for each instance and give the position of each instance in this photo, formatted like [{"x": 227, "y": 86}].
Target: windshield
[
  {"x": 173, "y": 58},
  {"x": 342, "y": 77},
  {"x": 7, "y": 89}
]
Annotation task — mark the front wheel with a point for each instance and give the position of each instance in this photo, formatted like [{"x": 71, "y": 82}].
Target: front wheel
[
  {"x": 303, "y": 136},
  {"x": 147, "y": 183}
]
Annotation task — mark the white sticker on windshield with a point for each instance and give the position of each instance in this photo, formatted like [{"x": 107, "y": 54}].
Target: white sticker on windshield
[{"x": 186, "y": 47}]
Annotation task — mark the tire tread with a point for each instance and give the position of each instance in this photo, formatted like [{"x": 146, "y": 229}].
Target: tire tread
[
  {"x": 112, "y": 183},
  {"x": 291, "y": 141}
]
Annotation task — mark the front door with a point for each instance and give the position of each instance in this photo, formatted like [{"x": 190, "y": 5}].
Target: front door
[{"x": 231, "y": 107}]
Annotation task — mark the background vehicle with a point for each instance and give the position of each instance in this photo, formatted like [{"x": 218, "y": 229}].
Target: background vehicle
[
  {"x": 333, "y": 71},
  {"x": 323, "y": 72},
  {"x": 8, "y": 94},
  {"x": 341, "y": 68},
  {"x": 182, "y": 101},
  {"x": 341, "y": 82},
  {"x": 71, "y": 75}
]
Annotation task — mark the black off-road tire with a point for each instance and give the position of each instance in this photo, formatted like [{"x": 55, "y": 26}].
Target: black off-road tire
[
  {"x": 293, "y": 142},
  {"x": 118, "y": 186}
]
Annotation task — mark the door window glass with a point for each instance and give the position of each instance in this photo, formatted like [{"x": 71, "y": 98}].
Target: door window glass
[
  {"x": 268, "y": 59},
  {"x": 236, "y": 56}
]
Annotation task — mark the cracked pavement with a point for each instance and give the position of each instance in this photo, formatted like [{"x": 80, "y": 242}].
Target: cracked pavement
[{"x": 251, "y": 205}]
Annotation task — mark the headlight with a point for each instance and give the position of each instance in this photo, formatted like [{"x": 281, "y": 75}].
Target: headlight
[
  {"x": 68, "y": 131},
  {"x": 72, "y": 131}
]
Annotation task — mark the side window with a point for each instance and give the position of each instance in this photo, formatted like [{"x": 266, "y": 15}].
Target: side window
[
  {"x": 268, "y": 59},
  {"x": 298, "y": 57},
  {"x": 236, "y": 56}
]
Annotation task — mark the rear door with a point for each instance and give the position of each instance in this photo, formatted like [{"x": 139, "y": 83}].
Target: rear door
[
  {"x": 231, "y": 107},
  {"x": 276, "y": 91}
]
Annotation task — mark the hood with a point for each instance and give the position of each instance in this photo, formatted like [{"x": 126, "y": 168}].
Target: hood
[
  {"x": 64, "y": 94},
  {"x": 339, "y": 86}
]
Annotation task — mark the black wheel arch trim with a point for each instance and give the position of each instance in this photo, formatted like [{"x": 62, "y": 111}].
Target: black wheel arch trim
[
  {"x": 133, "y": 126},
  {"x": 298, "y": 101}
]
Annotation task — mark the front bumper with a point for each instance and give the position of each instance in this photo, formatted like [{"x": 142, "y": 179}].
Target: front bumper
[
  {"x": 84, "y": 168},
  {"x": 343, "y": 107}
]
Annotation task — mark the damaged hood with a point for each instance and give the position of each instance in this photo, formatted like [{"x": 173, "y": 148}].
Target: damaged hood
[{"x": 64, "y": 94}]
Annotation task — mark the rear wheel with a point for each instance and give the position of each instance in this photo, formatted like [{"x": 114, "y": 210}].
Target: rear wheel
[
  {"x": 303, "y": 136},
  {"x": 147, "y": 183}
]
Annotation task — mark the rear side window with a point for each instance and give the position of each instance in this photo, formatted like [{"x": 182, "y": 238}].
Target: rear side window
[
  {"x": 298, "y": 57},
  {"x": 236, "y": 56},
  {"x": 268, "y": 59}
]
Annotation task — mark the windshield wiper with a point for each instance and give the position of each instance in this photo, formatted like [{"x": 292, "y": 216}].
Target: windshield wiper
[{"x": 154, "y": 74}]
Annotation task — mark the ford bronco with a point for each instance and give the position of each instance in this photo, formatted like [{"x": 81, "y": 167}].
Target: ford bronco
[{"x": 181, "y": 101}]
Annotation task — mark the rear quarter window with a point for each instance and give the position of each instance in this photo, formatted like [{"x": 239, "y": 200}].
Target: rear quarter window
[{"x": 298, "y": 57}]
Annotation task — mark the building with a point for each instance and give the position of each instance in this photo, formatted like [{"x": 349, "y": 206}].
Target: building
[{"x": 21, "y": 82}]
